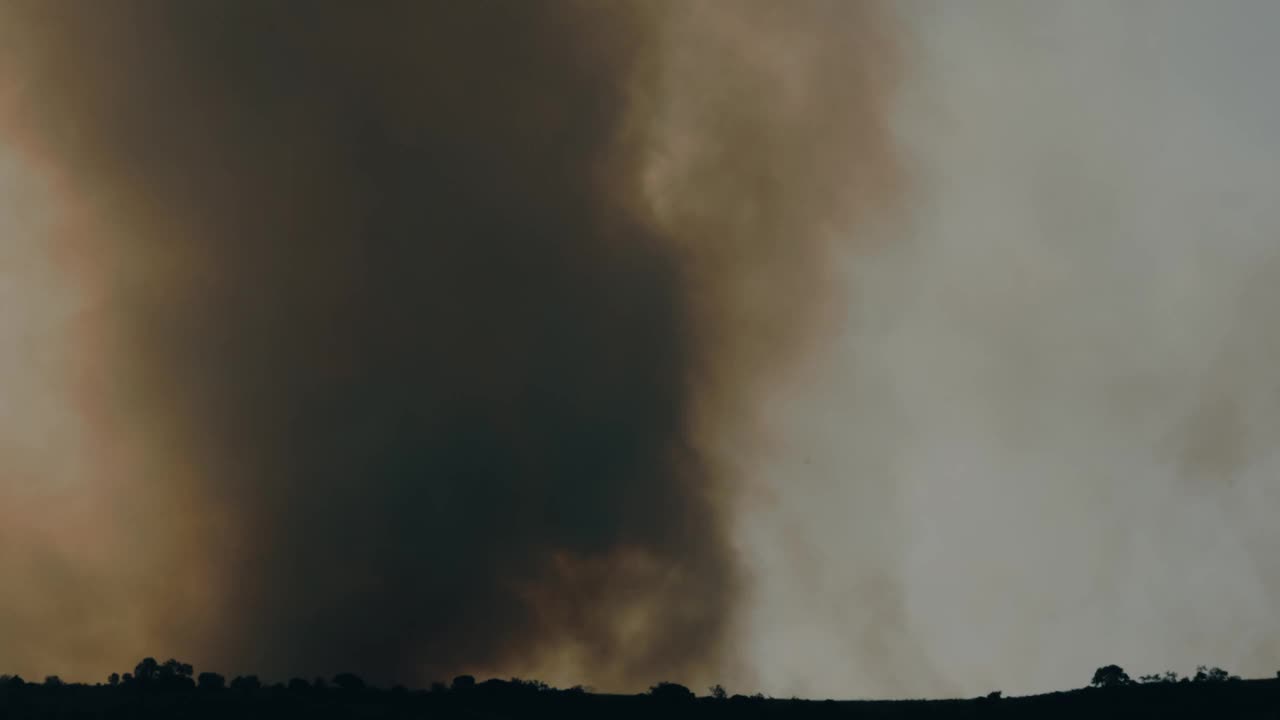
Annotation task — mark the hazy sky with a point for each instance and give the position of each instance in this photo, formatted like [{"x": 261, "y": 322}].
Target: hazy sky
[
  {"x": 1027, "y": 426},
  {"x": 1046, "y": 440}
]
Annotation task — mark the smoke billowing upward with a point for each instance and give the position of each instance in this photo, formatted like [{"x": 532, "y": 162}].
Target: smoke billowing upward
[{"x": 416, "y": 326}]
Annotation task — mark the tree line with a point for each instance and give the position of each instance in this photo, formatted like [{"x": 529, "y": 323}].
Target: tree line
[
  {"x": 174, "y": 675},
  {"x": 1115, "y": 676}
]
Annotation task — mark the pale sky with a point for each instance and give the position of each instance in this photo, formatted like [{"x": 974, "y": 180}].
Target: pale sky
[{"x": 1050, "y": 426}]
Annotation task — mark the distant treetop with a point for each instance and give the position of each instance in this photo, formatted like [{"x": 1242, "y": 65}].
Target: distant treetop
[{"x": 1110, "y": 676}]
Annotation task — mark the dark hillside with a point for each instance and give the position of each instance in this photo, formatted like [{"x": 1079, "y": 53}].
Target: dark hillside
[{"x": 169, "y": 690}]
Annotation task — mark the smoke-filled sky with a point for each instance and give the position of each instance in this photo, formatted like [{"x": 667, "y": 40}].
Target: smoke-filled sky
[{"x": 831, "y": 348}]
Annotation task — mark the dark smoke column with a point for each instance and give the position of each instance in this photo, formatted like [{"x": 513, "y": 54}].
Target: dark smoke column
[{"x": 433, "y": 359}]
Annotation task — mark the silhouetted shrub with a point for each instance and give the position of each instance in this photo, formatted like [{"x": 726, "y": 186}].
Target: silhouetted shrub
[
  {"x": 1110, "y": 676},
  {"x": 529, "y": 686},
  {"x": 211, "y": 681},
  {"x": 463, "y": 682},
  {"x": 995, "y": 695},
  {"x": 53, "y": 681},
  {"x": 348, "y": 681},
  {"x": 113, "y": 679},
  {"x": 1208, "y": 674},
  {"x": 718, "y": 692},
  {"x": 246, "y": 683},
  {"x": 671, "y": 692}
]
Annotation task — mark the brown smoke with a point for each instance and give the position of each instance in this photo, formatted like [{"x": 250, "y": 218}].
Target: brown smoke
[{"x": 416, "y": 323}]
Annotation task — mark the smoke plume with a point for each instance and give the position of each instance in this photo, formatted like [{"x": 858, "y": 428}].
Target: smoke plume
[{"x": 412, "y": 336}]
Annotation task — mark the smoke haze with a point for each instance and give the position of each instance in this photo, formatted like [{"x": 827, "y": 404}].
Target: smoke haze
[
  {"x": 1045, "y": 440},
  {"x": 816, "y": 347},
  {"x": 414, "y": 339}
]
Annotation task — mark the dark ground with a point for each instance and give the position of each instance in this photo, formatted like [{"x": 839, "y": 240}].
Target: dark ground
[{"x": 498, "y": 699}]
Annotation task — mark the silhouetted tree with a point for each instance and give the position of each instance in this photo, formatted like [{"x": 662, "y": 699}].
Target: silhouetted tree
[
  {"x": 1110, "y": 676},
  {"x": 16, "y": 681},
  {"x": 146, "y": 671},
  {"x": 246, "y": 683},
  {"x": 529, "y": 685},
  {"x": 174, "y": 674},
  {"x": 718, "y": 692},
  {"x": 995, "y": 695},
  {"x": 671, "y": 692},
  {"x": 463, "y": 682},
  {"x": 113, "y": 679},
  {"x": 1208, "y": 674},
  {"x": 348, "y": 681},
  {"x": 172, "y": 669},
  {"x": 211, "y": 681},
  {"x": 53, "y": 681}
]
